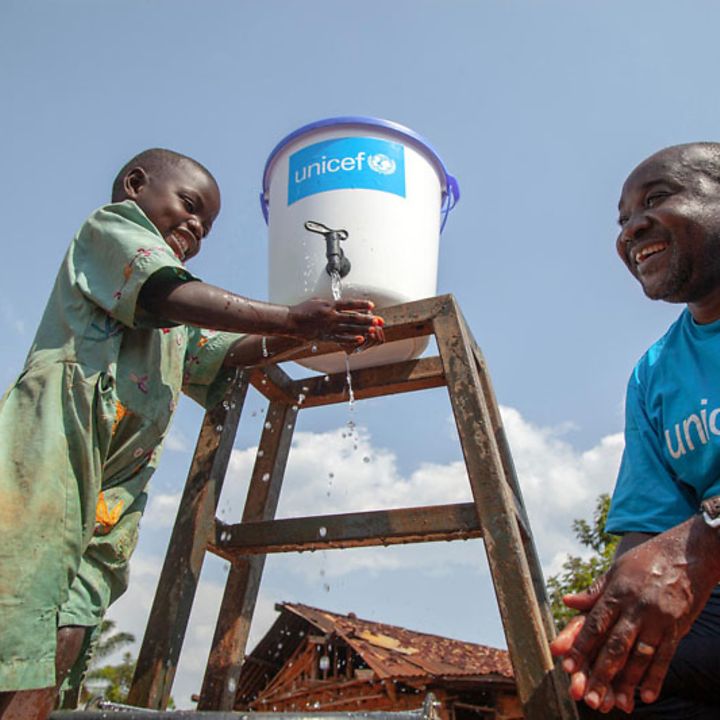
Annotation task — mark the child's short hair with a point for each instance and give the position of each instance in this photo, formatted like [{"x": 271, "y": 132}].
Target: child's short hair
[{"x": 153, "y": 160}]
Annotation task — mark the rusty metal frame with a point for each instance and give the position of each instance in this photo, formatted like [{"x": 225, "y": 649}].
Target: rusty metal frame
[{"x": 497, "y": 514}]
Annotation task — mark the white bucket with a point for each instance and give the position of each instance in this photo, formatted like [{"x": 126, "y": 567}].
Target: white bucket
[{"x": 387, "y": 188}]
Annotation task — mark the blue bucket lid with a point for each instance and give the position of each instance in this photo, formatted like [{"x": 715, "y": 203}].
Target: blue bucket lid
[{"x": 451, "y": 189}]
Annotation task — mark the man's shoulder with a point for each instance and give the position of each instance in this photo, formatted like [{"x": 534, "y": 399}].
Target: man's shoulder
[
  {"x": 660, "y": 354},
  {"x": 662, "y": 348}
]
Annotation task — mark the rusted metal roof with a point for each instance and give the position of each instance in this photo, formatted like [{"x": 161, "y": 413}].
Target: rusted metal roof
[{"x": 396, "y": 652}]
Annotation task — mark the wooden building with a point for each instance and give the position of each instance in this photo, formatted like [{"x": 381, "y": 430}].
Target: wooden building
[{"x": 311, "y": 659}]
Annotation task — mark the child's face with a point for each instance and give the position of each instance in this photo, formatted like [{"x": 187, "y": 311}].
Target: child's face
[{"x": 182, "y": 203}]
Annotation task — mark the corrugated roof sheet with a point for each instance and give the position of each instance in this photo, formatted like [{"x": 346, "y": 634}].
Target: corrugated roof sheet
[{"x": 396, "y": 652}]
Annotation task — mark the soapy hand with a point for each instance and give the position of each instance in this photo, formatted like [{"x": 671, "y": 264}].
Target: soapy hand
[
  {"x": 350, "y": 323},
  {"x": 635, "y": 615}
]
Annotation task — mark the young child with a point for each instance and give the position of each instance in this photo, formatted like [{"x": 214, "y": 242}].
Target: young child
[{"x": 82, "y": 427}]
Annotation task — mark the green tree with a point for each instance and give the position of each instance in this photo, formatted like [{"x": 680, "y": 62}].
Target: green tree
[
  {"x": 110, "y": 641},
  {"x": 115, "y": 678},
  {"x": 118, "y": 678},
  {"x": 578, "y": 573}
]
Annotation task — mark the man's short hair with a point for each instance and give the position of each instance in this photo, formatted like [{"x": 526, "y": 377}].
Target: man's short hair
[{"x": 153, "y": 160}]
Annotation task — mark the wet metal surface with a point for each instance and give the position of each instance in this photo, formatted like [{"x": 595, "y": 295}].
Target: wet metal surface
[
  {"x": 376, "y": 527},
  {"x": 124, "y": 712}
]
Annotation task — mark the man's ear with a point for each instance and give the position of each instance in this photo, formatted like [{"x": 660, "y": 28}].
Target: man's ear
[{"x": 134, "y": 182}]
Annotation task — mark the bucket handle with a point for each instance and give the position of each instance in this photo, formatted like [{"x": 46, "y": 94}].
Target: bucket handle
[
  {"x": 450, "y": 199},
  {"x": 264, "y": 206}
]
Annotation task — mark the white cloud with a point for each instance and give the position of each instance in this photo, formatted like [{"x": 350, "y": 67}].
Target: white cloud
[
  {"x": 161, "y": 510},
  {"x": 558, "y": 482},
  {"x": 177, "y": 442},
  {"x": 12, "y": 318},
  {"x": 327, "y": 474}
]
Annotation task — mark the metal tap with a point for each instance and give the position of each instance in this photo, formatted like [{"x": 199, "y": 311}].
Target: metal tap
[{"x": 337, "y": 262}]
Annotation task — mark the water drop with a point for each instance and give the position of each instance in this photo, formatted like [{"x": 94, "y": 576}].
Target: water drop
[
  {"x": 265, "y": 477},
  {"x": 314, "y": 349},
  {"x": 322, "y": 531},
  {"x": 294, "y": 408},
  {"x": 260, "y": 453},
  {"x": 264, "y": 381},
  {"x": 268, "y": 425},
  {"x": 218, "y": 428},
  {"x": 366, "y": 459},
  {"x": 326, "y": 378},
  {"x": 331, "y": 475},
  {"x": 226, "y": 405}
]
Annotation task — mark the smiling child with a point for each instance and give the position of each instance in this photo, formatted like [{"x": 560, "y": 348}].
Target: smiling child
[{"x": 82, "y": 427}]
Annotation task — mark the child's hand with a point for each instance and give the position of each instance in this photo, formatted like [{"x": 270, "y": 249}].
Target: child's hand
[{"x": 349, "y": 323}]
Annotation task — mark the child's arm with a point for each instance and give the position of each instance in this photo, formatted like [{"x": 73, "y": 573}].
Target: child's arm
[{"x": 349, "y": 323}]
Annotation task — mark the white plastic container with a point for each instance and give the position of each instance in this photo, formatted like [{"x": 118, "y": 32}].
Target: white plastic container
[{"x": 387, "y": 188}]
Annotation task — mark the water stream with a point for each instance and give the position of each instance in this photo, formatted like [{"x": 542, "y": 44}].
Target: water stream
[{"x": 336, "y": 286}]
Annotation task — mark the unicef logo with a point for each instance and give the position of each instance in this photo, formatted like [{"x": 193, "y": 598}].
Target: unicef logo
[{"x": 381, "y": 164}]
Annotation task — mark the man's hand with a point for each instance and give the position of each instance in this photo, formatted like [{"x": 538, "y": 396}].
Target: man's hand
[
  {"x": 636, "y": 614},
  {"x": 350, "y": 323}
]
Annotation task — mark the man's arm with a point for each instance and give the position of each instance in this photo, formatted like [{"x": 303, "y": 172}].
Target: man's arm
[{"x": 637, "y": 613}]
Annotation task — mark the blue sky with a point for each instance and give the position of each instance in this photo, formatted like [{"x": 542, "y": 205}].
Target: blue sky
[{"x": 539, "y": 109}]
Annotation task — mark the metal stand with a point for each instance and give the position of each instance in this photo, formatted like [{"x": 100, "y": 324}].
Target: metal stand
[{"x": 497, "y": 514}]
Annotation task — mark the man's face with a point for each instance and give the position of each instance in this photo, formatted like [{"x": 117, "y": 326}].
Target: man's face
[
  {"x": 670, "y": 225},
  {"x": 182, "y": 202}
]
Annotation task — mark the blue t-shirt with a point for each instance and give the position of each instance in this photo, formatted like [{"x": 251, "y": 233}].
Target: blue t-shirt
[{"x": 671, "y": 461}]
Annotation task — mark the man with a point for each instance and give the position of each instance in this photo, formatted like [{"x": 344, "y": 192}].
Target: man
[{"x": 651, "y": 625}]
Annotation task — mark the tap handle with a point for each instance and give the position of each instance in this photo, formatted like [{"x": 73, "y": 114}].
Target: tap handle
[{"x": 321, "y": 229}]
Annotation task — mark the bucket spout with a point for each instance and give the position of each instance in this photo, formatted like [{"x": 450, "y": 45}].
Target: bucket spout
[{"x": 337, "y": 262}]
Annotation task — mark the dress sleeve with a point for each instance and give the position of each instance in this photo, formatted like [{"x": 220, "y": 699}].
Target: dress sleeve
[
  {"x": 647, "y": 496},
  {"x": 205, "y": 379},
  {"x": 115, "y": 252}
]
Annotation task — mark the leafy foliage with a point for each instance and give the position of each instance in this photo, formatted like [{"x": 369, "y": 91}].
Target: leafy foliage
[
  {"x": 116, "y": 677},
  {"x": 578, "y": 573}
]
